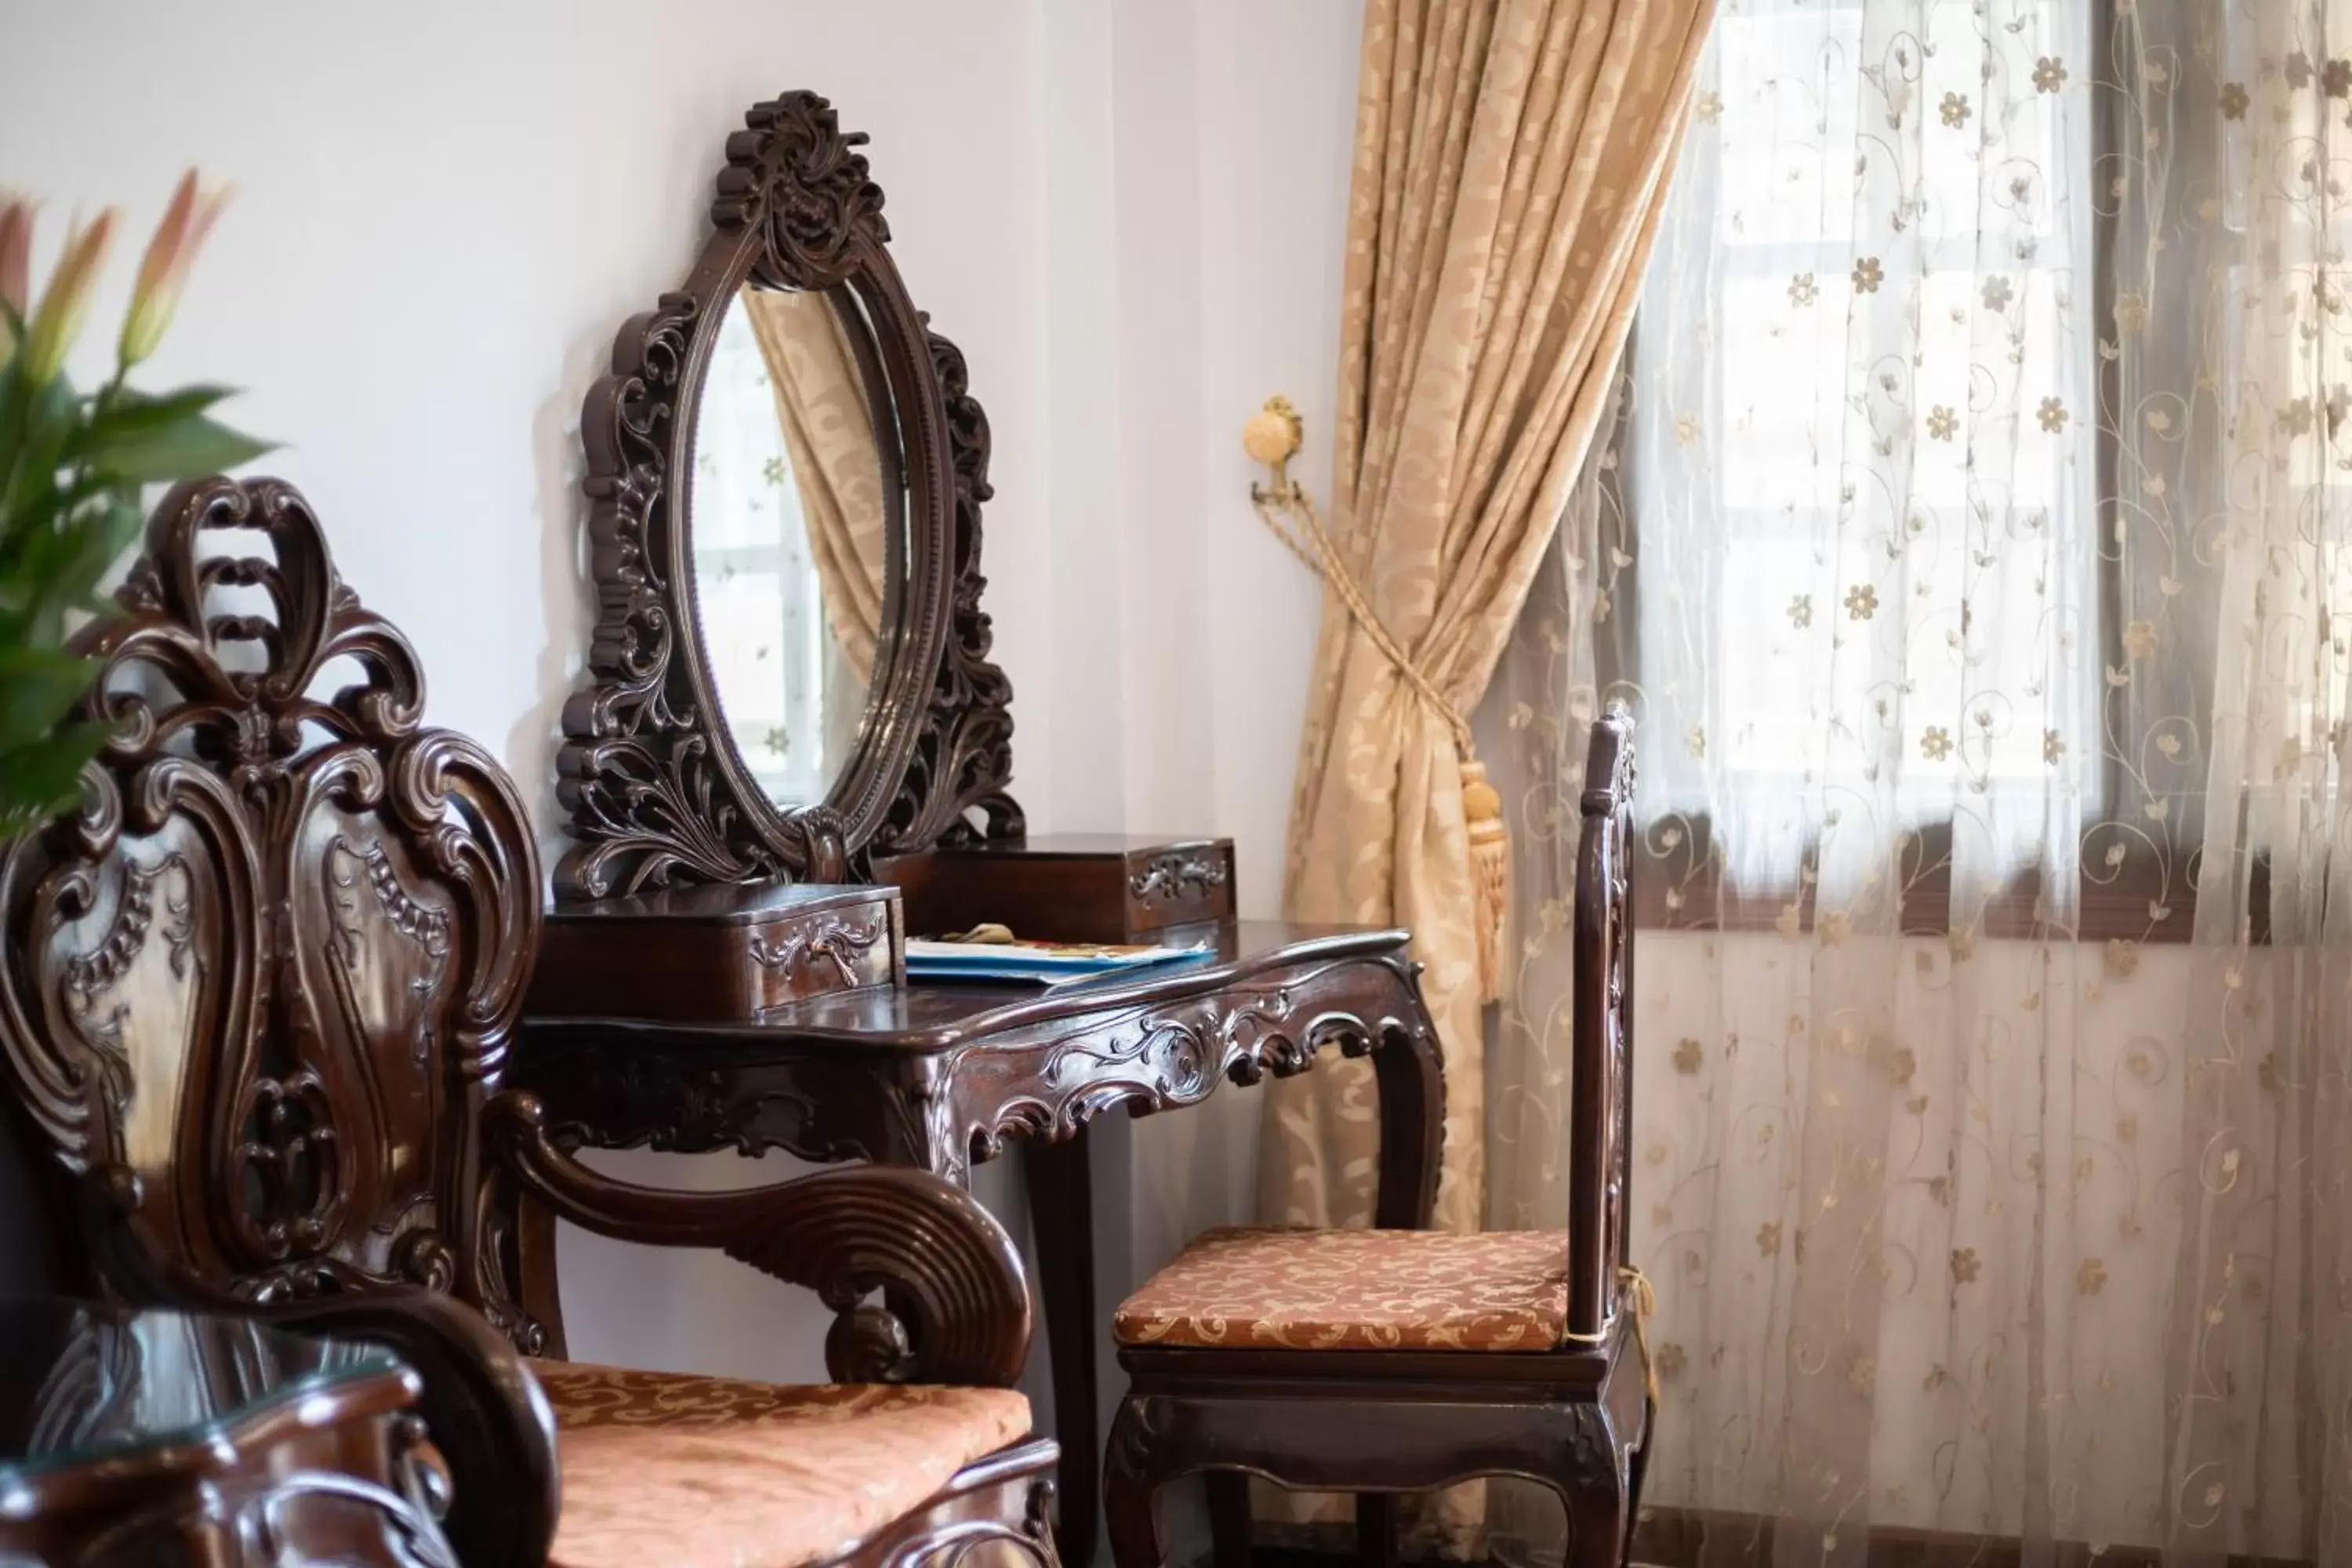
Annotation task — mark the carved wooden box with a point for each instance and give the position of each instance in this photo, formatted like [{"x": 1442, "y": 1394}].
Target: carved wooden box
[
  {"x": 696, "y": 954},
  {"x": 1069, "y": 888}
]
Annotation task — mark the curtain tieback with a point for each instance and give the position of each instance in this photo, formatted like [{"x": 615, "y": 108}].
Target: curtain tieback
[
  {"x": 1272, "y": 436},
  {"x": 1636, "y": 1285}
]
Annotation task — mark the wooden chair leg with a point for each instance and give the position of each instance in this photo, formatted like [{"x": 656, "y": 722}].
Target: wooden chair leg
[
  {"x": 1132, "y": 1493},
  {"x": 1599, "y": 1527},
  {"x": 1229, "y": 1518},
  {"x": 1376, "y": 1532}
]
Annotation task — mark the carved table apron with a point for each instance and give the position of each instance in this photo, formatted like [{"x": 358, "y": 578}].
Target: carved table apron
[{"x": 939, "y": 1076}]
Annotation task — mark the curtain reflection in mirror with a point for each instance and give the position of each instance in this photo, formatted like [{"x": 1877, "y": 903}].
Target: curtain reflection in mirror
[{"x": 829, "y": 431}]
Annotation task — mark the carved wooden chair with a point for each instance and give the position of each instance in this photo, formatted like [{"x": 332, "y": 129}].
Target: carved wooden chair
[
  {"x": 255, "y": 1005},
  {"x": 1384, "y": 1361}
]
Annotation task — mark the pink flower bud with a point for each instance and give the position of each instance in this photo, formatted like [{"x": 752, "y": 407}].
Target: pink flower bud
[
  {"x": 163, "y": 271},
  {"x": 16, "y": 267},
  {"x": 59, "y": 321}
]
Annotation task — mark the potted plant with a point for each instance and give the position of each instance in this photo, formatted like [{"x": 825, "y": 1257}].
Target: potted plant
[{"x": 73, "y": 465}]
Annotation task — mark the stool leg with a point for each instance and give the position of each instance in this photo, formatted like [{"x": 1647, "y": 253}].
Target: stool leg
[
  {"x": 1635, "y": 1471},
  {"x": 1229, "y": 1518},
  {"x": 1598, "y": 1528},
  {"x": 1131, "y": 1495},
  {"x": 1375, "y": 1534}
]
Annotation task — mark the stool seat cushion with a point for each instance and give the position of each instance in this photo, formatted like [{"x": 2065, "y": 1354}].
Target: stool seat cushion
[{"x": 1296, "y": 1289}]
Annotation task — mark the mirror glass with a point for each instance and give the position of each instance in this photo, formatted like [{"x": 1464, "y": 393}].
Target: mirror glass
[{"x": 797, "y": 518}]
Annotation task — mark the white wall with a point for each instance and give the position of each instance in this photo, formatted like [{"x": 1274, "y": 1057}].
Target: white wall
[
  {"x": 1200, "y": 164},
  {"x": 1232, "y": 123},
  {"x": 440, "y": 222},
  {"x": 1128, "y": 212}
]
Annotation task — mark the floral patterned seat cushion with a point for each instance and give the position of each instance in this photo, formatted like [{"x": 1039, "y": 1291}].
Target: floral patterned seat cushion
[
  {"x": 683, "y": 1472},
  {"x": 1357, "y": 1290}
]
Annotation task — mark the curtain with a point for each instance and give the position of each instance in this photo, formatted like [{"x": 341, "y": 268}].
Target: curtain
[
  {"x": 1970, "y": 545},
  {"x": 1508, "y": 158},
  {"x": 829, "y": 434}
]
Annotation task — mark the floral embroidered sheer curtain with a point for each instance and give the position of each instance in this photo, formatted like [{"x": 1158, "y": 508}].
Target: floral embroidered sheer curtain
[{"x": 1973, "y": 552}]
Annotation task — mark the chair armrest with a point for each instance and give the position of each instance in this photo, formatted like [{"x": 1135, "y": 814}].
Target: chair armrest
[
  {"x": 484, "y": 1411},
  {"x": 955, "y": 1298},
  {"x": 482, "y": 1407}
]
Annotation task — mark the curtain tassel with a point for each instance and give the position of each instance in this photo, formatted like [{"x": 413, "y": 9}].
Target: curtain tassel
[
  {"x": 1490, "y": 873},
  {"x": 1645, "y": 1301}
]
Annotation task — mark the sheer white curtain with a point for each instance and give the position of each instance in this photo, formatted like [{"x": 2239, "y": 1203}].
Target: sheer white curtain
[
  {"x": 1972, "y": 553},
  {"x": 1870, "y": 362}
]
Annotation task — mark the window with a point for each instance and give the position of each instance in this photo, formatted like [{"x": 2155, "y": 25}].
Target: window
[{"x": 1887, "y": 629}]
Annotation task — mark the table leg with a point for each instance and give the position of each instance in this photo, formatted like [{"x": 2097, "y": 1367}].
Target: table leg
[
  {"x": 1062, "y": 1216},
  {"x": 1412, "y": 1080}
]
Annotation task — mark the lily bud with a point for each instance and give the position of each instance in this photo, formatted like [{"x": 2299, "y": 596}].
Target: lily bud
[
  {"x": 59, "y": 321},
  {"x": 16, "y": 268},
  {"x": 163, "y": 271}
]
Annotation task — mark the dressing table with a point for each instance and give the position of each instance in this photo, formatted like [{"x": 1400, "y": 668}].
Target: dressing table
[{"x": 790, "y": 749}]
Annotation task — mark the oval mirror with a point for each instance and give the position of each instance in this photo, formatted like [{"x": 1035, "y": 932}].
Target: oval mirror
[
  {"x": 789, "y": 675},
  {"x": 796, "y": 524}
]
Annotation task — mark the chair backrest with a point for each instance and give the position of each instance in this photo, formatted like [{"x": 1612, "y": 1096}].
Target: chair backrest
[
  {"x": 258, "y": 988},
  {"x": 31, "y": 1260},
  {"x": 1600, "y": 1106}
]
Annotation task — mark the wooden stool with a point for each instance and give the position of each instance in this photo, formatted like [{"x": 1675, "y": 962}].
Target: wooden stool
[{"x": 1381, "y": 1362}]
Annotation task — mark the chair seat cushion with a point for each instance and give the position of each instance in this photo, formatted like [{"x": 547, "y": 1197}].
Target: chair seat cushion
[
  {"x": 1293, "y": 1289},
  {"x": 683, "y": 1472}
]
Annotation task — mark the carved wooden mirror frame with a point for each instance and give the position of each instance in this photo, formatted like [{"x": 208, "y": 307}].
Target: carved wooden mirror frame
[{"x": 657, "y": 792}]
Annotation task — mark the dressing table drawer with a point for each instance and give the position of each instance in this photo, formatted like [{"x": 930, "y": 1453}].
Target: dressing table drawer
[
  {"x": 1070, "y": 887},
  {"x": 700, "y": 954}
]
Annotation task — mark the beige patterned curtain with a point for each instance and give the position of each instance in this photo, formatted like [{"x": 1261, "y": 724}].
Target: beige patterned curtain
[
  {"x": 1974, "y": 552},
  {"x": 829, "y": 435},
  {"x": 1509, "y": 155}
]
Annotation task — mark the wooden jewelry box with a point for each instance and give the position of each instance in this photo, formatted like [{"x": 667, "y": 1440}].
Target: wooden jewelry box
[
  {"x": 1068, "y": 887},
  {"x": 696, "y": 954}
]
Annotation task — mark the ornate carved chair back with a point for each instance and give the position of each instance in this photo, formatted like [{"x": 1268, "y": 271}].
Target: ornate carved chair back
[
  {"x": 30, "y": 1250},
  {"x": 1602, "y": 1088},
  {"x": 255, "y": 991}
]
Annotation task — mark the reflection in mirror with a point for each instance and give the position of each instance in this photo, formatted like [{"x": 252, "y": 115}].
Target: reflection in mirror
[{"x": 791, "y": 538}]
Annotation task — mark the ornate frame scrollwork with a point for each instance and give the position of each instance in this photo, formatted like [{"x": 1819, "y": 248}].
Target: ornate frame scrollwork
[{"x": 656, "y": 791}]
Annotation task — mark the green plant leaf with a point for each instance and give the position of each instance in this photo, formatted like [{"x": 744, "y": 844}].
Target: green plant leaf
[
  {"x": 131, "y": 413},
  {"x": 32, "y": 451},
  {"x": 50, "y": 572},
  {"x": 184, "y": 448},
  {"x": 37, "y": 689},
  {"x": 99, "y": 539},
  {"x": 43, "y": 780}
]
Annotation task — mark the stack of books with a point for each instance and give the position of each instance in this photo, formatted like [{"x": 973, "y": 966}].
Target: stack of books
[{"x": 1039, "y": 964}]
